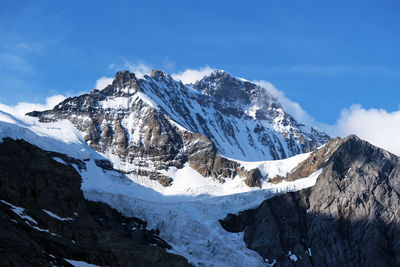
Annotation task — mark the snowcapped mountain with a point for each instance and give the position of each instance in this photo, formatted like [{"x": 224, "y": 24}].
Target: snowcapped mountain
[
  {"x": 185, "y": 214},
  {"x": 178, "y": 161},
  {"x": 178, "y": 156},
  {"x": 156, "y": 122}
]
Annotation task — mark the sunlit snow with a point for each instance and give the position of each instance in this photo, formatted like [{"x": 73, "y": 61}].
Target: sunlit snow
[{"x": 186, "y": 213}]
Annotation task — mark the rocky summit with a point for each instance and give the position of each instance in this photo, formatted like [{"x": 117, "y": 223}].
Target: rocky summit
[{"x": 158, "y": 121}]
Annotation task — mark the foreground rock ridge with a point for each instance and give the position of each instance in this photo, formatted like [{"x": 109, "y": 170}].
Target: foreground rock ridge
[
  {"x": 157, "y": 122},
  {"x": 45, "y": 220},
  {"x": 351, "y": 217}
]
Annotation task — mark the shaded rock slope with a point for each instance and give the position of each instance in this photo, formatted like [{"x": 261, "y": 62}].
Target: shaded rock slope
[
  {"x": 351, "y": 217},
  {"x": 157, "y": 122},
  {"x": 45, "y": 220}
]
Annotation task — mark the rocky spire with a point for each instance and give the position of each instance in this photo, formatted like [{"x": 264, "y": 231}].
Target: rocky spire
[{"x": 124, "y": 83}]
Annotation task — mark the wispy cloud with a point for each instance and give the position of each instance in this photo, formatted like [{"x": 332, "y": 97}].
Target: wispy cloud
[
  {"x": 140, "y": 69},
  {"x": 14, "y": 62},
  {"x": 103, "y": 82},
  {"x": 291, "y": 107},
  {"x": 168, "y": 65},
  {"x": 24, "y": 107},
  {"x": 22, "y": 43},
  {"x": 192, "y": 75}
]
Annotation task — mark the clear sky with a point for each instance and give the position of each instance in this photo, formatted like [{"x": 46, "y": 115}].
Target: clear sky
[{"x": 325, "y": 55}]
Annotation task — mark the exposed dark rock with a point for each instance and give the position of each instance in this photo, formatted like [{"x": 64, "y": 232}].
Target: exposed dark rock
[
  {"x": 68, "y": 160},
  {"x": 351, "y": 217},
  {"x": 226, "y": 88},
  {"x": 253, "y": 178},
  {"x": 61, "y": 223},
  {"x": 238, "y": 223},
  {"x": 104, "y": 164},
  {"x": 162, "y": 179}
]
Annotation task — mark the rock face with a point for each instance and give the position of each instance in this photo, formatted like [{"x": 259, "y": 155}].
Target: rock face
[
  {"x": 44, "y": 218},
  {"x": 157, "y": 122},
  {"x": 351, "y": 217}
]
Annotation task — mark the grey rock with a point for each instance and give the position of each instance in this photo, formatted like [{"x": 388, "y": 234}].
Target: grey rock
[
  {"x": 253, "y": 178},
  {"x": 351, "y": 217}
]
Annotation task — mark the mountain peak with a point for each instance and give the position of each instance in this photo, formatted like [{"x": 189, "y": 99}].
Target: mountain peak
[
  {"x": 224, "y": 86},
  {"x": 124, "y": 76},
  {"x": 124, "y": 83},
  {"x": 220, "y": 75},
  {"x": 242, "y": 119},
  {"x": 155, "y": 73}
]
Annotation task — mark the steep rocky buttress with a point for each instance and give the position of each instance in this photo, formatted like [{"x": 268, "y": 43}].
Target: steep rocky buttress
[
  {"x": 45, "y": 220},
  {"x": 351, "y": 217}
]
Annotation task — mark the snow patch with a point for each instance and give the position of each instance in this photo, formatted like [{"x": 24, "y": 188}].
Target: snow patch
[
  {"x": 115, "y": 103},
  {"x": 272, "y": 168},
  {"x": 55, "y": 216},
  {"x": 308, "y": 252},
  {"x": 292, "y": 257},
  {"x": 80, "y": 263},
  {"x": 20, "y": 212},
  {"x": 60, "y": 160},
  {"x": 42, "y": 230}
]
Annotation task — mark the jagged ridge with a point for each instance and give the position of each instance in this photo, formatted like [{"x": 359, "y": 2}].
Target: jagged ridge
[{"x": 157, "y": 122}]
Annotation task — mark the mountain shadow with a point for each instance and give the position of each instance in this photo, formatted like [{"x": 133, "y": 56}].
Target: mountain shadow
[{"x": 45, "y": 220}]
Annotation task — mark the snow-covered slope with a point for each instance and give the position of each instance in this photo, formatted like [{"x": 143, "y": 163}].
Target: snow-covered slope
[
  {"x": 186, "y": 213},
  {"x": 62, "y": 136}
]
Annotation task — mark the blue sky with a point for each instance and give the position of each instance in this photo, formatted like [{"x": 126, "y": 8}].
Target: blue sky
[{"x": 325, "y": 55}]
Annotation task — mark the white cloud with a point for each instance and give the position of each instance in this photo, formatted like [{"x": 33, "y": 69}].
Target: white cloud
[
  {"x": 377, "y": 126},
  {"x": 289, "y": 106},
  {"x": 103, "y": 82},
  {"x": 140, "y": 69},
  {"x": 192, "y": 75},
  {"x": 24, "y": 107}
]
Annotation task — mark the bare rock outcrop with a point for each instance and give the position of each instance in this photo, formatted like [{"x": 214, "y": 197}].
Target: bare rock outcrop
[{"x": 351, "y": 217}]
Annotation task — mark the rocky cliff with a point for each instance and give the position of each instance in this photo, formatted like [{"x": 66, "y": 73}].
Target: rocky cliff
[
  {"x": 45, "y": 220},
  {"x": 351, "y": 217}
]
